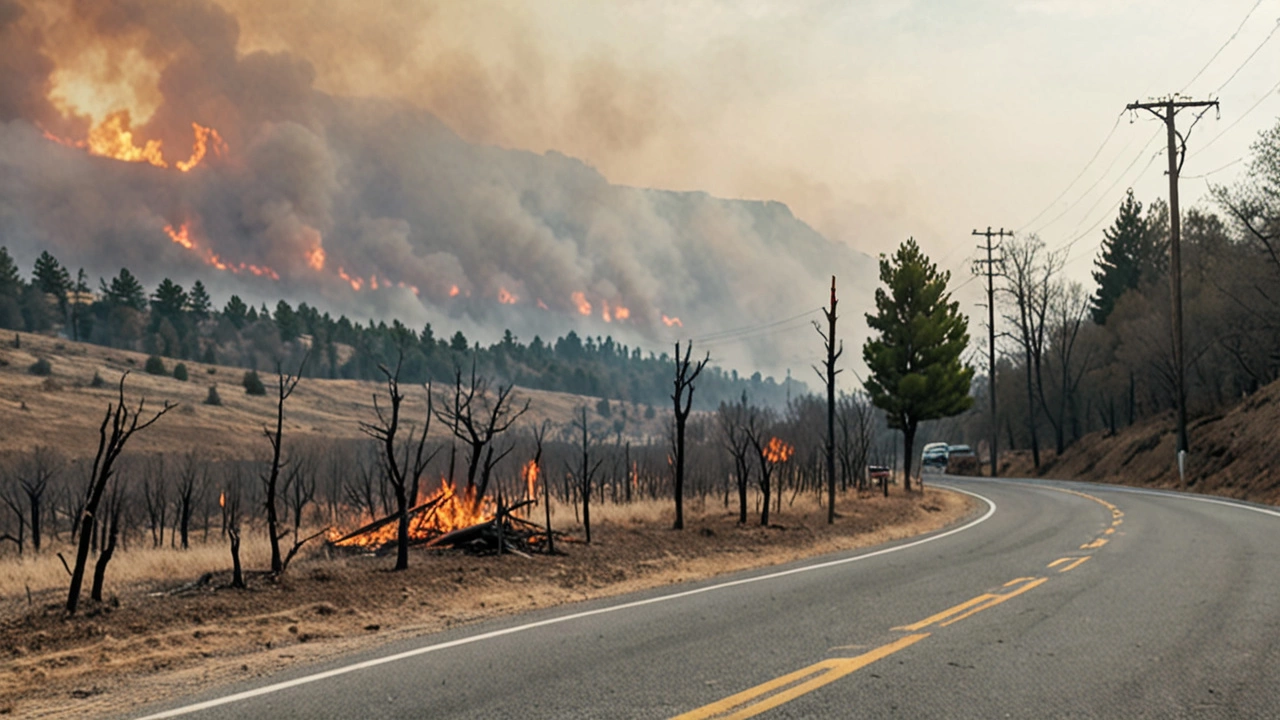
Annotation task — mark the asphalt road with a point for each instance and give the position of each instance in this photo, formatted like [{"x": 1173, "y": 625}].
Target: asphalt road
[{"x": 1055, "y": 600}]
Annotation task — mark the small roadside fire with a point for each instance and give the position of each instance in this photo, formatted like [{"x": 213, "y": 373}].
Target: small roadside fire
[
  {"x": 778, "y": 451},
  {"x": 530, "y": 474},
  {"x": 444, "y": 511}
]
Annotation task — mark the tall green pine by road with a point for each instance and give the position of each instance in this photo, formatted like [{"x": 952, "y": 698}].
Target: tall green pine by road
[
  {"x": 1133, "y": 251},
  {"x": 916, "y": 372}
]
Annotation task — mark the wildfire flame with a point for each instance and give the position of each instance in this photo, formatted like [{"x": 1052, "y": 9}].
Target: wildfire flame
[
  {"x": 621, "y": 313},
  {"x": 580, "y": 299},
  {"x": 315, "y": 258},
  {"x": 356, "y": 282},
  {"x": 222, "y": 499},
  {"x": 452, "y": 511},
  {"x": 113, "y": 138},
  {"x": 205, "y": 138},
  {"x": 182, "y": 236},
  {"x": 530, "y": 474},
  {"x": 672, "y": 321},
  {"x": 778, "y": 451},
  {"x": 453, "y": 291},
  {"x": 605, "y": 312},
  {"x": 506, "y": 297}
]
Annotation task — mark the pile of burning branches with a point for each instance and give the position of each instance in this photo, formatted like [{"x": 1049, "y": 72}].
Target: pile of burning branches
[{"x": 449, "y": 520}]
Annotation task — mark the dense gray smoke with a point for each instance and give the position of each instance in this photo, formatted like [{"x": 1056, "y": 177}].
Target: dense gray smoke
[{"x": 373, "y": 207}]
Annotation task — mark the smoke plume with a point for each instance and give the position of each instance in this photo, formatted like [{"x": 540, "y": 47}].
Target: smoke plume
[{"x": 154, "y": 136}]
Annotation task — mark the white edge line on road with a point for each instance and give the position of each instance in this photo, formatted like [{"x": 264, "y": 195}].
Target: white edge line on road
[
  {"x": 1107, "y": 487},
  {"x": 276, "y": 687}
]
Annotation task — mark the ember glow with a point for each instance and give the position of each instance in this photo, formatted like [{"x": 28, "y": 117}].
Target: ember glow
[
  {"x": 530, "y": 474},
  {"x": 453, "y": 291},
  {"x": 506, "y": 297},
  {"x": 450, "y": 511},
  {"x": 778, "y": 451},
  {"x": 672, "y": 321},
  {"x": 182, "y": 236},
  {"x": 222, "y": 499},
  {"x": 315, "y": 258}
]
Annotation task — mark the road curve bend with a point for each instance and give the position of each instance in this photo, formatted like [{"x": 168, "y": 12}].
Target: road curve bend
[{"x": 1056, "y": 599}]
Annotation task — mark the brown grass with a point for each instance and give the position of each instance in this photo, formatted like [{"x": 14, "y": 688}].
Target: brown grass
[
  {"x": 65, "y": 411},
  {"x": 144, "y": 646}
]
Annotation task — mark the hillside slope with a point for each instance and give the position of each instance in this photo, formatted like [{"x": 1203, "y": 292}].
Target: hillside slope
[
  {"x": 64, "y": 409},
  {"x": 1234, "y": 453}
]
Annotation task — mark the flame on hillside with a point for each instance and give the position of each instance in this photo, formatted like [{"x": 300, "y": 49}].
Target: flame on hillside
[
  {"x": 672, "y": 321},
  {"x": 778, "y": 451},
  {"x": 580, "y": 299},
  {"x": 182, "y": 236},
  {"x": 506, "y": 297},
  {"x": 450, "y": 511},
  {"x": 114, "y": 138}
]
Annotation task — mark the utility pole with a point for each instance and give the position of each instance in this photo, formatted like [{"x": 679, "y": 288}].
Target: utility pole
[
  {"x": 829, "y": 337},
  {"x": 1167, "y": 110},
  {"x": 991, "y": 272}
]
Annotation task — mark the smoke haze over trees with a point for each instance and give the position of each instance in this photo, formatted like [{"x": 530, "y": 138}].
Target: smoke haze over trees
[{"x": 361, "y": 206}]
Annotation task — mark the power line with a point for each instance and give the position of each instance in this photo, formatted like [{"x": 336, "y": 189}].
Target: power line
[
  {"x": 750, "y": 329},
  {"x": 1079, "y": 175},
  {"x": 1227, "y": 129},
  {"x": 1213, "y": 172},
  {"x": 1247, "y": 60},
  {"x": 1067, "y": 246},
  {"x": 1098, "y": 182},
  {"x": 1224, "y": 45}
]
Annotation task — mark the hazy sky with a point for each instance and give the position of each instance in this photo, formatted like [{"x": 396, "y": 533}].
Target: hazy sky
[{"x": 873, "y": 120}]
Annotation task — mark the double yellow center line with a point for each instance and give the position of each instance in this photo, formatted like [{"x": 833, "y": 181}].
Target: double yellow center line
[{"x": 784, "y": 689}]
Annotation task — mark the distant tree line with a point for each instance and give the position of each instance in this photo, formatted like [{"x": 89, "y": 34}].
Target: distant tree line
[{"x": 183, "y": 323}]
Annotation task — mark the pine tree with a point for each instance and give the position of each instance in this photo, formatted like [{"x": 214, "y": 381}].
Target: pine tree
[
  {"x": 916, "y": 371},
  {"x": 198, "y": 301},
  {"x": 124, "y": 291},
  {"x": 1119, "y": 261},
  {"x": 287, "y": 322},
  {"x": 10, "y": 278},
  {"x": 51, "y": 277},
  {"x": 169, "y": 300},
  {"x": 236, "y": 311}
]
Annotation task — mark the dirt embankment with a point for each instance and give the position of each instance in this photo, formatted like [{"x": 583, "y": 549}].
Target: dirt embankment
[
  {"x": 1234, "y": 453},
  {"x": 152, "y": 643}
]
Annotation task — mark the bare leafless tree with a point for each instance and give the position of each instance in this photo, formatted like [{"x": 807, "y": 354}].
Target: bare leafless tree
[
  {"x": 1030, "y": 274},
  {"x": 584, "y": 473},
  {"x": 732, "y": 418},
  {"x": 118, "y": 425},
  {"x": 682, "y": 397},
  {"x": 403, "y": 472},
  {"x": 229, "y": 502},
  {"x": 285, "y": 385},
  {"x": 112, "y": 528},
  {"x": 759, "y": 430},
  {"x": 40, "y": 467},
  {"x": 477, "y": 415}
]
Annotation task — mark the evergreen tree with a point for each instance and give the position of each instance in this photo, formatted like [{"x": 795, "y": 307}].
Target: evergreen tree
[
  {"x": 81, "y": 321},
  {"x": 169, "y": 300},
  {"x": 236, "y": 311},
  {"x": 1120, "y": 259},
  {"x": 124, "y": 291},
  {"x": 459, "y": 342},
  {"x": 287, "y": 322},
  {"x": 916, "y": 372},
  {"x": 198, "y": 301},
  {"x": 51, "y": 277},
  {"x": 10, "y": 278}
]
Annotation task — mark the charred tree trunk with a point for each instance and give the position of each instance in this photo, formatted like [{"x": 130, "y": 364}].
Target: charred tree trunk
[{"x": 683, "y": 403}]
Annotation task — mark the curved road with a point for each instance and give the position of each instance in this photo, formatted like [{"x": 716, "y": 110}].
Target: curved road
[{"x": 1055, "y": 600}]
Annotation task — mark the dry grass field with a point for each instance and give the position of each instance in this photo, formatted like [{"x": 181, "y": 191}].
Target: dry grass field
[
  {"x": 153, "y": 640},
  {"x": 64, "y": 410}
]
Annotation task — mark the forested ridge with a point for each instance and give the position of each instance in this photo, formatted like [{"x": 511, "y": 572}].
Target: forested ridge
[{"x": 184, "y": 323}]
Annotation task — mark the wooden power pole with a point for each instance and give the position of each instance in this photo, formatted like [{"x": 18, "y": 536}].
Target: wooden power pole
[
  {"x": 988, "y": 267},
  {"x": 829, "y": 337},
  {"x": 1167, "y": 110}
]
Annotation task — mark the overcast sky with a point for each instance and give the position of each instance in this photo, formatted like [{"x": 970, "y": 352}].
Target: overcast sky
[{"x": 873, "y": 120}]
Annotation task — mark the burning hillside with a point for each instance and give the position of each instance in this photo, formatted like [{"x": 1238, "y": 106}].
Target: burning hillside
[{"x": 141, "y": 134}]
